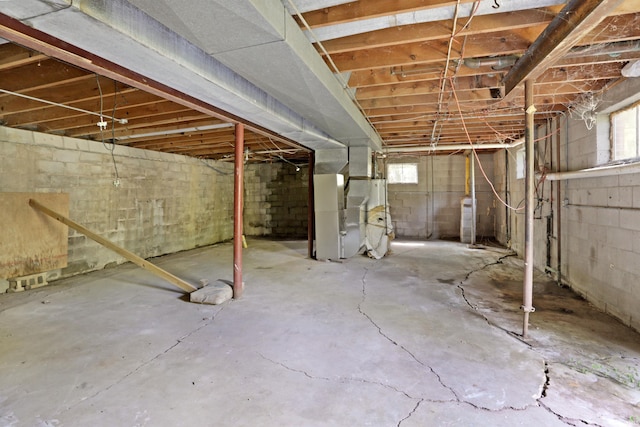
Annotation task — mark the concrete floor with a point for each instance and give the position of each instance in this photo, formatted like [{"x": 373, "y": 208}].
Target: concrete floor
[{"x": 428, "y": 336}]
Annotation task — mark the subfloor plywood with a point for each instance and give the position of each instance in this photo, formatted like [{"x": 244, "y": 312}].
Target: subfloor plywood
[{"x": 32, "y": 242}]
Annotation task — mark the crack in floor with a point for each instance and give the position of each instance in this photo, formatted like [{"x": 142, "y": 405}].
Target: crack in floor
[
  {"x": 457, "y": 397},
  {"x": 475, "y": 308},
  {"x": 519, "y": 337},
  {"x": 410, "y": 414},
  {"x": 392, "y": 341},
  {"x": 179, "y": 341},
  {"x": 339, "y": 379}
]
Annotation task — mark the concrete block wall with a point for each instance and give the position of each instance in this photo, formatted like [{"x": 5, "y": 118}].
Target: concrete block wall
[
  {"x": 600, "y": 217},
  {"x": 601, "y": 259},
  {"x": 164, "y": 203},
  {"x": 257, "y": 208},
  {"x": 289, "y": 198},
  {"x": 276, "y": 200},
  {"x": 431, "y": 208},
  {"x": 510, "y": 221}
]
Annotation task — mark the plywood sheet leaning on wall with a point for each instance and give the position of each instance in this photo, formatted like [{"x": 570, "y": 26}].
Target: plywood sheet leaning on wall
[{"x": 31, "y": 242}]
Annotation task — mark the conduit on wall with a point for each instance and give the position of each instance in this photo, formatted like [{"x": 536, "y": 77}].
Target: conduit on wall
[{"x": 600, "y": 171}]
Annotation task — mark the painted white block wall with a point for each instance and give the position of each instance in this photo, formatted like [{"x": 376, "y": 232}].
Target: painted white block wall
[
  {"x": 431, "y": 208},
  {"x": 600, "y": 253}
]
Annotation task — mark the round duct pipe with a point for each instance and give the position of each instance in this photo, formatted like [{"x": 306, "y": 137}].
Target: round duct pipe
[
  {"x": 453, "y": 147},
  {"x": 496, "y": 63}
]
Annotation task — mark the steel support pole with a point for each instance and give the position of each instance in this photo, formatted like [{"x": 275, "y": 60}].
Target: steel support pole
[
  {"x": 311, "y": 205},
  {"x": 238, "y": 285},
  {"x": 558, "y": 205},
  {"x": 472, "y": 174},
  {"x": 527, "y": 291}
]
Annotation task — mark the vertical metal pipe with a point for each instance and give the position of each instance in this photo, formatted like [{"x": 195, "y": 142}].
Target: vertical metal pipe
[
  {"x": 558, "y": 205},
  {"x": 472, "y": 174},
  {"x": 311, "y": 205},
  {"x": 467, "y": 174},
  {"x": 527, "y": 291},
  {"x": 507, "y": 211},
  {"x": 238, "y": 285}
]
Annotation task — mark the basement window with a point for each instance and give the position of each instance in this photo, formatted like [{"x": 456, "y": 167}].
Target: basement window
[
  {"x": 625, "y": 133},
  {"x": 402, "y": 173},
  {"x": 521, "y": 164}
]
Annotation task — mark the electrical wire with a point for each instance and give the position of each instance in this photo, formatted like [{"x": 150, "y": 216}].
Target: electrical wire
[
  {"x": 57, "y": 104},
  {"x": 475, "y": 153},
  {"x": 220, "y": 172},
  {"x": 102, "y": 126}
]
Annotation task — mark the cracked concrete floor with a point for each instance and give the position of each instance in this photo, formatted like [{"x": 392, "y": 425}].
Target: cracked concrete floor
[{"x": 427, "y": 336}]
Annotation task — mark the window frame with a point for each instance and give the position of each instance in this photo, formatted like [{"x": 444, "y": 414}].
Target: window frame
[
  {"x": 614, "y": 144},
  {"x": 403, "y": 182}
]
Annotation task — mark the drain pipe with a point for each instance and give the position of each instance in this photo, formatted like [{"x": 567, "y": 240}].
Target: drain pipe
[
  {"x": 527, "y": 291},
  {"x": 238, "y": 285}
]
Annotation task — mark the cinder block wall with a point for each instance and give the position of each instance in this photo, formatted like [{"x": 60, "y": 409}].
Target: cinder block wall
[
  {"x": 600, "y": 217},
  {"x": 276, "y": 200},
  {"x": 510, "y": 221},
  {"x": 431, "y": 208},
  {"x": 164, "y": 203}
]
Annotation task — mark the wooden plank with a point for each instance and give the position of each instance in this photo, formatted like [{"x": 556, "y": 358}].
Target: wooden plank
[
  {"x": 29, "y": 245},
  {"x": 482, "y": 45},
  {"x": 358, "y": 10},
  {"x": 13, "y": 56},
  {"x": 141, "y": 262},
  {"x": 440, "y": 30},
  {"x": 46, "y": 73},
  {"x": 427, "y": 87}
]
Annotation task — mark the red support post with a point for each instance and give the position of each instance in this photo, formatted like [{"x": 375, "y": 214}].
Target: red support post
[{"x": 238, "y": 285}]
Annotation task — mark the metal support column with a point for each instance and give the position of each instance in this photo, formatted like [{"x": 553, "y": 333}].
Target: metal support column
[
  {"x": 310, "y": 205},
  {"x": 527, "y": 291},
  {"x": 472, "y": 174},
  {"x": 238, "y": 285},
  {"x": 558, "y": 206}
]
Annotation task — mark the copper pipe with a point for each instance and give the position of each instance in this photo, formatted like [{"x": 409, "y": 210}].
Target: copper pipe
[
  {"x": 238, "y": 285},
  {"x": 311, "y": 205},
  {"x": 527, "y": 291}
]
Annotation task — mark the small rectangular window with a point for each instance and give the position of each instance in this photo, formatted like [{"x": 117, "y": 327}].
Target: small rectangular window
[
  {"x": 521, "y": 166},
  {"x": 402, "y": 173},
  {"x": 625, "y": 133}
]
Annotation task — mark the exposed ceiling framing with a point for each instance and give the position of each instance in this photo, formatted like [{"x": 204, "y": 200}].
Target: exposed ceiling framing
[{"x": 420, "y": 71}]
